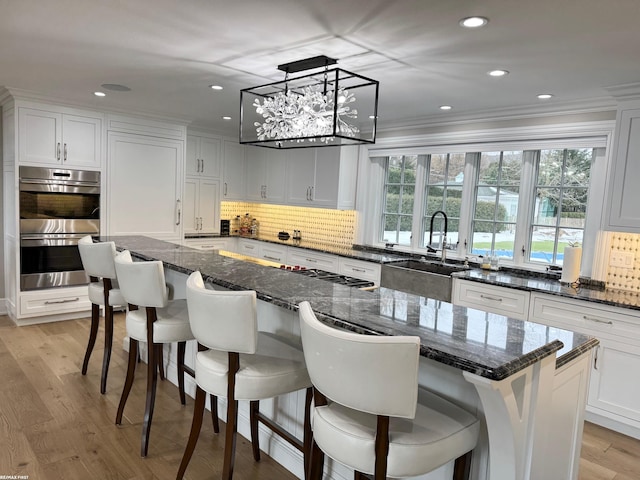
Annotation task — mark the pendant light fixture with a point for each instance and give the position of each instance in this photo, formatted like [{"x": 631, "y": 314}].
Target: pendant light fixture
[{"x": 328, "y": 107}]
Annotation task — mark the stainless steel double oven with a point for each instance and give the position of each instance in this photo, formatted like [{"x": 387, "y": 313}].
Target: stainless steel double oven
[{"x": 57, "y": 208}]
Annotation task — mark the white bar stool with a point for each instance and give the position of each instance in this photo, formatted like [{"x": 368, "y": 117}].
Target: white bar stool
[
  {"x": 97, "y": 261},
  {"x": 235, "y": 360},
  {"x": 366, "y": 411},
  {"x": 153, "y": 319}
]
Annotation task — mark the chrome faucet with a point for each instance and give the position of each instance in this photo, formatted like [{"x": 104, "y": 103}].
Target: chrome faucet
[{"x": 444, "y": 240}]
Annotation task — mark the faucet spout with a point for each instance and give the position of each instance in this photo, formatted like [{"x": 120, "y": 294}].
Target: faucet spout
[{"x": 444, "y": 240}]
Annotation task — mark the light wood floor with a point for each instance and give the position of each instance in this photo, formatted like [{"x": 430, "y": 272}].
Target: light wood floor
[{"x": 54, "y": 424}]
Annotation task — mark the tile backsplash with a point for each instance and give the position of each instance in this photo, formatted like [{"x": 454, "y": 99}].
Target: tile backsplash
[
  {"x": 334, "y": 229},
  {"x": 620, "y": 245}
]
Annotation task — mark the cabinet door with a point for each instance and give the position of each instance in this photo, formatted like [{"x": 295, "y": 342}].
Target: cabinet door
[
  {"x": 209, "y": 157},
  {"x": 234, "y": 167},
  {"x": 614, "y": 383},
  {"x": 145, "y": 186},
  {"x": 209, "y": 206},
  {"x": 256, "y": 181},
  {"x": 325, "y": 189},
  {"x": 81, "y": 141},
  {"x": 624, "y": 195},
  {"x": 274, "y": 167},
  {"x": 39, "y": 137},
  {"x": 190, "y": 206},
  {"x": 301, "y": 165},
  {"x": 192, "y": 161}
]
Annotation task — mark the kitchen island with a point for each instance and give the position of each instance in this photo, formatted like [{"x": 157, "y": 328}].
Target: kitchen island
[{"x": 525, "y": 381}]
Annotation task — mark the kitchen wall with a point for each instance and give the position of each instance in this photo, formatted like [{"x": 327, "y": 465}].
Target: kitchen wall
[
  {"x": 621, "y": 249},
  {"x": 328, "y": 229}
]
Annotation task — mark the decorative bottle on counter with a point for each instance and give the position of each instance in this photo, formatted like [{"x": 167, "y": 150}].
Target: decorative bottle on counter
[
  {"x": 235, "y": 225},
  {"x": 245, "y": 225},
  {"x": 254, "y": 228}
]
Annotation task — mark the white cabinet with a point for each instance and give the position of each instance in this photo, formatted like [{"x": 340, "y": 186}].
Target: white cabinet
[
  {"x": 63, "y": 139},
  {"x": 53, "y": 301},
  {"x": 322, "y": 177},
  {"x": 203, "y": 157},
  {"x": 144, "y": 186},
  {"x": 201, "y": 205},
  {"x": 490, "y": 298},
  {"x": 266, "y": 251},
  {"x": 217, "y": 243},
  {"x": 265, "y": 175},
  {"x": 233, "y": 186},
  {"x": 311, "y": 259},
  {"x": 360, "y": 269}
]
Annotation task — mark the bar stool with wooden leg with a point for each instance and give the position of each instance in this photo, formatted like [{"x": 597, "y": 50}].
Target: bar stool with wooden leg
[
  {"x": 97, "y": 260},
  {"x": 369, "y": 413},
  {"x": 235, "y": 360},
  {"x": 154, "y": 319}
]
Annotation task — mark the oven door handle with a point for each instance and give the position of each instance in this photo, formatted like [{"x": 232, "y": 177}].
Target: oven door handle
[{"x": 47, "y": 240}]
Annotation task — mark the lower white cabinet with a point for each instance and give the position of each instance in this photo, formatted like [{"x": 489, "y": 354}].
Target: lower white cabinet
[
  {"x": 614, "y": 389},
  {"x": 201, "y": 206},
  {"x": 265, "y": 251},
  {"x": 360, "y": 269},
  {"x": 309, "y": 259},
  {"x": 53, "y": 302},
  {"x": 217, "y": 243},
  {"x": 490, "y": 298}
]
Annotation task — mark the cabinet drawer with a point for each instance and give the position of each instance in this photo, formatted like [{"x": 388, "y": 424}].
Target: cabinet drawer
[
  {"x": 273, "y": 253},
  {"x": 504, "y": 301},
  {"x": 209, "y": 244},
  {"x": 359, "y": 269},
  {"x": 249, "y": 247},
  {"x": 305, "y": 258},
  {"x": 51, "y": 302},
  {"x": 587, "y": 317}
]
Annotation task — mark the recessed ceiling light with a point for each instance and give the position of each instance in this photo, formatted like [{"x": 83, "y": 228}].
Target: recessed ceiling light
[
  {"x": 226, "y": 118},
  {"x": 115, "y": 87},
  {"x": 445, "y": 107},
  {"x": 474, "y": 22},
  {"x": 498, "y": 73},
  {"x": 545, "y": 96},
  {"x": 100, "y": 94},
  {"x": 215, "y": 87}
]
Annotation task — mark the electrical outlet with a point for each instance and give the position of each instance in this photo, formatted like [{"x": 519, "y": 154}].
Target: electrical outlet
[{"x": 621, "y": 259}]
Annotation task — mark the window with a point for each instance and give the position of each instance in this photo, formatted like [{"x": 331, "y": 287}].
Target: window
[
  {"x": 399, "y": 193},
  {"x": 523, "y": 205},
  {"x": 443, "y": 193},
  {"x": 562, "y": 186},
  {"x": 497, "y": 195}
]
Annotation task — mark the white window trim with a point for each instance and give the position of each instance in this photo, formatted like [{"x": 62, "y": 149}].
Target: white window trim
[{"x": 574, "y": 135}]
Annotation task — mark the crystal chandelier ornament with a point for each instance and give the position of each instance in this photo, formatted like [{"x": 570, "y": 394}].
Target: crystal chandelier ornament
[{"x": 330, "y": 107}]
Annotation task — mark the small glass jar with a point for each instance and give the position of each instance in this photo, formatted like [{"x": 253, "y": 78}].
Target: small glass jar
[{"x": 494, "y": 260}]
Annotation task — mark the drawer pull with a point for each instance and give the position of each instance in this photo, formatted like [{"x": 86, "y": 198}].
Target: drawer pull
[
  {"x": 68, "y": 300},
  {"x": 597, "y": 320},
  {"x": 271, "y": 258},
  {"x": 249, "y": 247},
  {"x": 487, "y": 297},
  {"x": 311, "y": 260},
  {"x": 358, "y": 269}
]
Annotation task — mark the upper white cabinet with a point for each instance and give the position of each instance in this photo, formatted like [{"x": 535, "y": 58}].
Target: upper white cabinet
[
  {"x": 233, "y": 185},
  {"x": 322, "y": 177},
  {"x": 201, "y": 205},
  {"x": 51, "y": 137},
  {"x": 145, "y": 181},
  {"x": 265, "y": 175},
  {"x": 203, "y": 156},
  {"x": 623, "y": 198}
]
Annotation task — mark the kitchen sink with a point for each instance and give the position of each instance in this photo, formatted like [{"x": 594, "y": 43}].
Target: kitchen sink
[{"x": 430, "y": 279}]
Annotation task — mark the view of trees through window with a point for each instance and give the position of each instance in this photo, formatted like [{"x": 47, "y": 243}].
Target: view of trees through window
[{"x": 551, "y": 217}]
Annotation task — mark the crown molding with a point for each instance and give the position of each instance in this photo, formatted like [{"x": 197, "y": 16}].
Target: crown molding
[
  {"x": 601, "y": 104},
  {"x": 31, "y": 96},
  {"x": 625, "y": 92}
]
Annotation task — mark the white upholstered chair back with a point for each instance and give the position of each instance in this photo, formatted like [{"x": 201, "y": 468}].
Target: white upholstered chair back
[
  {"x": 222, "y": 320},
  {"x": 141, "y": 283},
  {"x": 373, "y": 374},
  {"x": 97, "y": 258}
]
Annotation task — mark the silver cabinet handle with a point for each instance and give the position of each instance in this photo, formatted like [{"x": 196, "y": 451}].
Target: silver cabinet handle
[
  {"x": 225, "y": 189},
  {"x": 311, "y": 260},
  {"x": 487, "y": 297},
  {"x": 271, "y": 258},
  {"x": 595, "y": 358},
  {"x": 58, "y": 151},
  {"x": 249, "y": 247},
  {"x": 178, "y": 210},
  {"x": 311, "y": 193},
  {"x": 68, "y": 300},
  {"x": 308, "y": 188},
  {"x": 199, "y": 165},
  {"x": 362, "y": 270},
  {"x": 597, "y": 320},
  {"x": 65, "y": 153}
]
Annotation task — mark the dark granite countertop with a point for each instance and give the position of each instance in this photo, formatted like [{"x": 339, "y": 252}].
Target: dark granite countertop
[
  {"x": 616, "y": 298},
  {"x": 489, "y": 345}
]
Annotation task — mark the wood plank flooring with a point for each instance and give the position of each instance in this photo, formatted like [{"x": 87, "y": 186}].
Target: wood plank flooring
[{"x": 54, "y": 424}]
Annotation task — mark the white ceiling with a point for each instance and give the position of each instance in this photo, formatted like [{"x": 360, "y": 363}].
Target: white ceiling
[{"x": 169, "y": 51}]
